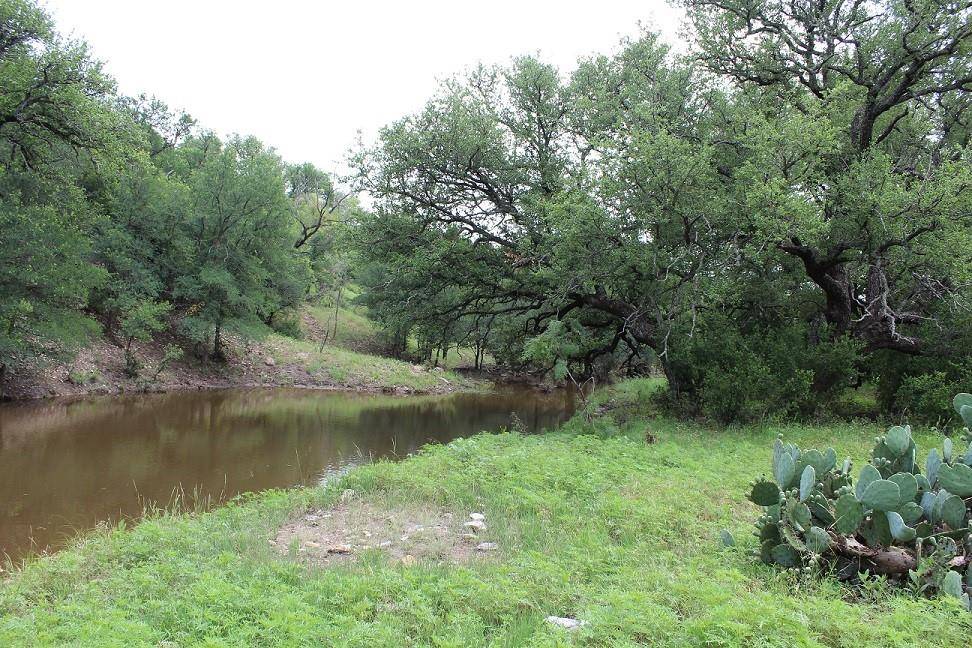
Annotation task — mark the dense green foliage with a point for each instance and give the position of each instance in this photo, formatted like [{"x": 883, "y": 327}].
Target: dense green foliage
[
  {"x": 614, "y": 531},
  {"x": 779, "y": 215},
  {"x": 894, "y": 521},
  {"x": 776, "y": 216},
  {"x": 118, "y": 214}
]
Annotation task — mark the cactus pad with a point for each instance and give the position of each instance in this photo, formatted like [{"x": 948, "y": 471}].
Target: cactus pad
[
  {"x": 850, "y": 514},
  {"x": 881, "y": 495},
  {"x": 956, "y": 479},
  {"x": 764, "y": 493}
]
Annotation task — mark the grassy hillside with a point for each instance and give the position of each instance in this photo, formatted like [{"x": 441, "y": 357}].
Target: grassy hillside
[
  {"x": 350, "y": 359},
  {"x": 612, "y": 530}
]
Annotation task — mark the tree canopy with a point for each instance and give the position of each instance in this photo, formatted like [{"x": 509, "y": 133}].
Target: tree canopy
[
  {"x": 769, "y": 216},
  {"x": 120, "y": 214}
]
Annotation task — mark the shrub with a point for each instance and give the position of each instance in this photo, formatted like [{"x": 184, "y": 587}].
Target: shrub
[
  {"x": 288, "y": 325},
  {"x": 923, "y": 397},
  {"x": 894, "y": 521}
]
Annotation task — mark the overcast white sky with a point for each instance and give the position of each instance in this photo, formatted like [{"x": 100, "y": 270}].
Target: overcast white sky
[{"x": 305, "y": 76}]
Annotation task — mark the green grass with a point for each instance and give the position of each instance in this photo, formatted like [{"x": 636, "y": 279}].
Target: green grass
[
  {"x": 614, "y": 531},
  {"x": 354, "y": 329},
  {"x": 340, "y": 363}
]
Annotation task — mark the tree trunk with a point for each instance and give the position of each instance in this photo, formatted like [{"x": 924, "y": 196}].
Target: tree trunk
[{"x": 218, "y": 345}]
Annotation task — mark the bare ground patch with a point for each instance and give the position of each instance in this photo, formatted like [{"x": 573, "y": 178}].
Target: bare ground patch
[{"x": 404, "y": 533}]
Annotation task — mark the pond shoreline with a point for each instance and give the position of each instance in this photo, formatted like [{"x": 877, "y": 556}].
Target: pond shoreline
[
  {"x": 98, "y": 369},
  {"x": 74, "y": 462}
]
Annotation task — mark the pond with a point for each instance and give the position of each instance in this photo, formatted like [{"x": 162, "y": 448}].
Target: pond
[{"x": 66, "y": 465}]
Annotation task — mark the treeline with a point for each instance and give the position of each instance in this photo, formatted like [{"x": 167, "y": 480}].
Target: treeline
[
  {"x": 779, "y": 215},
  {"x": 122, "y": 217}
]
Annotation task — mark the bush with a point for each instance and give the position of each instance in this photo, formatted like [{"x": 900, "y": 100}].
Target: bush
[
  {"x": 288, "y": 325},
  {"x": 730, "y": 375},
  {"x": 924, "y": 397},
  {"x": 895, "y": 521},
  {"x": 859, "y": 403}
]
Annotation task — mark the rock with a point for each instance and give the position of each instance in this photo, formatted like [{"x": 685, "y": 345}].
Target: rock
[
  {"x": 383, "y": 545},
  {"x": 311, "y": 543},
  {"x": 477, "y": 516},
  {"x": 310, "y": 517},
  {"x": 476, "y": 525},
  {"x": 566, "y": 623},
  {"x": 485, "y": 546},
  {"x": 270, "y": 362},
  {"x": 338, "y": 549}
]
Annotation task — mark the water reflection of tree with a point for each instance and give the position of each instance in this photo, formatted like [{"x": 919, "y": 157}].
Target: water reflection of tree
[{"x": 69, "y": 464}]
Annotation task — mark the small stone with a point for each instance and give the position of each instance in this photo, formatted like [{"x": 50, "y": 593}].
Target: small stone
[
  {"x": 477, "y": 516},
  {"x": 566, "y": 623},
  {"x": 339, "y": 549},
  {"x": 310, "y": 517},
  {"x": 269, "y": 361},
  {"x": 311, "y": 543},
  {"x": 476, "y": 525},
  {"x": 485, "y": 546},
  {"x": 386, "y": 543}
]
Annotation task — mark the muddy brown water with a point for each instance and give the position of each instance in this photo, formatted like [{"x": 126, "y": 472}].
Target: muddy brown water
[{"x": 66, "y": 465}]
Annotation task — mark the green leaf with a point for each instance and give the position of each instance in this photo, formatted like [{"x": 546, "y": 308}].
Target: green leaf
[
  {"x": 807, "y": 480},
  {"x": 952, "y": 584},
  {"x": 877, "y": 531},
  {"x": 907, "y": 486},
  {"x": 956, "y": 479},
  {"x": 725, "y": 536},
  {"x": 785, "y": 471},
  {"x": 785, "y": 555},
  {"x": 881, "y": 495},
  {"x": 899, "y": 530},
  {"x": 898, "y": 439},
  {"x": 800, "y": 515},
  {"x": 932, "y": 464},
  {"x": 911, "y": 512},
  {"x": 868, "y": 474},
  {"x": 765, "y": 493},
  {"x": 960, "y": 401},
  {"x": 766, "y": 551},
  {"x": 770, "y": 532},
  {"x": 953, "y": 512},
  {"x": 850, "y": 514},
  {"x": 817, "y": 540}
]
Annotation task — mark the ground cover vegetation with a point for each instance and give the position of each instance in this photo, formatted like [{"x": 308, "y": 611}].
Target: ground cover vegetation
[
  {"x": 902, "y": 518},
  {"x": 594, "y": 522}
]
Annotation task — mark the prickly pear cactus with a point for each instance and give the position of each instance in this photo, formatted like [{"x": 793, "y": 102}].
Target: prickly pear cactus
[{"x": 901, "y": 518}]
